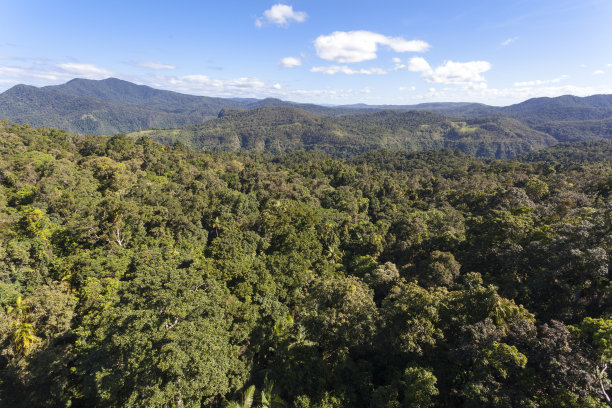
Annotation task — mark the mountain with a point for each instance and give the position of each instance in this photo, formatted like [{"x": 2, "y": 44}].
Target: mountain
[
  {"x": 118, "y": 91},
  {"x": 533, "y": 111},
  {"x": 455, "y": 109},
  {"x": 113, "y": 105},
  {"x": 82, "y": 114},
  {"x": 107, "y": 106},
  {"x": 283, "y": 129},
  {"x": 562, "y": 108}
]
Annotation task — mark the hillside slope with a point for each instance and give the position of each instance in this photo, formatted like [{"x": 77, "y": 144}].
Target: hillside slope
[
  {"x": 112, "y": 105},
  {"x": 80, "y": 114},
  {"x": 282, "y": 129}
]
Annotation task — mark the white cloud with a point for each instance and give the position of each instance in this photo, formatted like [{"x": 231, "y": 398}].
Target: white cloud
[
  {"x": 538, "y": 82},
  {"x": 419, "y": 64},
  {"x": 11, "y": 71},
  {"x": 457, "y": 73},
  {"x": 290, "y": 62},
  {"x": 609, "y": 65},
  {"x": 204, "y": 82},
  {"x": 505, "y": 96},
  {"x": 407, "y": 88},
  {"x": 509, "y": 41},
  {"x": 31, "y": 74},
  {"x": 598, "y": 72},
  {"x": 49, "y": 73},
  {"x": 154, "y": 65},
  {"x": 357, "y": 46},
  {"x": 43, "y": 73},
  {"x": 398, "y": 64},
  {"x": 85, "y": 70},
  {"x": 343, "y": 69},
  {"x": 281, "y": 15},
  {"x": 514, "y": 95}
]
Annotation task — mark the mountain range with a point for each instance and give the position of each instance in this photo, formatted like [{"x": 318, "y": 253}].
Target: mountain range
[{"x": 113, "y": 106}]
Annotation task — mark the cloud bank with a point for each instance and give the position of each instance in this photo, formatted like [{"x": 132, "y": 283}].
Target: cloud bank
[
  {"x": 457, "y": 73},
  {"x": 539, "y": 82},
  {"x": 89, "y": 71},
  {"x": 343, "y": 69},
  {"x": 357, "y": 46}
]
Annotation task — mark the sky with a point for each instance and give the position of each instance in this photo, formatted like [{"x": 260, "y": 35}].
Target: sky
[{"x": 325, "y": 52}]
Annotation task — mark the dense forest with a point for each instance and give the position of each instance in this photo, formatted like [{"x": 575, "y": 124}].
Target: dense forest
[
  {"x": 134, "y": 273},
  {"x": 285, "y": 129}
]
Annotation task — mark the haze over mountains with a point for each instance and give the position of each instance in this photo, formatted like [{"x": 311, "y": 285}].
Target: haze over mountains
[{"x": 115, "y": 106}]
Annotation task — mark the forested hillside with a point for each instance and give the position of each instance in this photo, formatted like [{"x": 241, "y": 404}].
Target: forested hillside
[
  {"x": 562, "y": 108},
  {"x": 113, "y": 106},
  {"x": 81, "y": 114},
  {"x": 283, "y": 129},
  {"x": 577, "y": 152},
  {"x": 137, "y": 274}
]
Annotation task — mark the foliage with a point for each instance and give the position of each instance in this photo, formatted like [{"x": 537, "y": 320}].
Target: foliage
[{"x": 138, "y": 274}]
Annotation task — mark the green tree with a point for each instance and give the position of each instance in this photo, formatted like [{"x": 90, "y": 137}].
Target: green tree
[{"x": 598, "y": 334}]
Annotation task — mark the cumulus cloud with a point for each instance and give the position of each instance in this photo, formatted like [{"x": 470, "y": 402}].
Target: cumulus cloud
[
  {"x": 509, "y": 41},
  {"x": 457, "y": 73},
  {"x": 290, "y": 62},
  {"x": 154, "y": 65},
  {"x": 539, "y": 82},
  {"x": 419, "y": 64},
  {"x": 407, "y": 88},
  {"x": 281, "y": 15},
  {"x": 598, "y": 72},
  {"x": 357, "y": 46},
  {"x": 85, "y": 70},
  {"x": 343, "y": 69}
]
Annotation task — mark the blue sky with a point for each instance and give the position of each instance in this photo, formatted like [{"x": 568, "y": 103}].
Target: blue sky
[{"x": 331, "y": 52}]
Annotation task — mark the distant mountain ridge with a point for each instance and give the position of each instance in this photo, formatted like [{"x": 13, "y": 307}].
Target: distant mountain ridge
[
  {"x": 118, "y": 91},
  {"x": 113, "y": 105},
  {"x": 81, "y": 114},
  {"x": 92, "y": 106}
]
